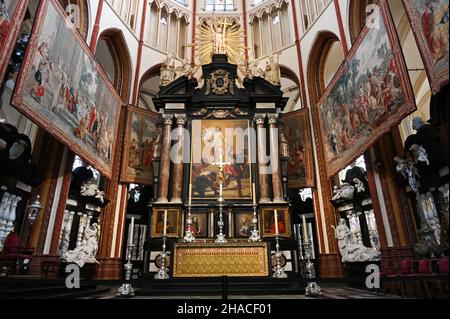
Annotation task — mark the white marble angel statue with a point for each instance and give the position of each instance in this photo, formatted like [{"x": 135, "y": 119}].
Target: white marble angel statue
[
  {"x": 87, "y": 251},
  {"x": 350, "y": 249},
  {"x": 90, "y": 189}
]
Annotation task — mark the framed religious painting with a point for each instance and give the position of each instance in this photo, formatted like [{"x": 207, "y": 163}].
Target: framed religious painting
[
  {"x": 430, "y": 25},
  {"x": 141, "y": 147},
  {"x": 199, "y": 227},
  {"x": 268, "y": 228},
  {"x": 12, "y": 13},
  {"x": 370, "y": 94},
  {"x": 221, "y": 147},
  {"x": 243, "y": 225},
  {"x": 295, "y": 144},
  {"x": 172, "y": 222},
  {"x": 62, "y": 88}
]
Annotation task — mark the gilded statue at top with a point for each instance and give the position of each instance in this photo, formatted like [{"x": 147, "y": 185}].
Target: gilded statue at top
[{"x": 220, "y": 36}]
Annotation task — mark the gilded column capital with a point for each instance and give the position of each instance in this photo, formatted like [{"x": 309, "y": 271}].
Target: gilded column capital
[
  {"x": 181, "y": 119},
  {"x": 260, "y": 118},
  {"x": 273, "y": 119},
  {"x": 168, "y": 120}
]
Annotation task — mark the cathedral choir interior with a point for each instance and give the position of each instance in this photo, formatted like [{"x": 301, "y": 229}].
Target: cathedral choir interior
[{"x": 162, "y": 149}]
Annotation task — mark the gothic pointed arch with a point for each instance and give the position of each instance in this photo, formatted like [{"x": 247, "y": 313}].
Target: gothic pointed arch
[
  {"x": 324, "y": 60},
  {"x": 113, "y": 55}
]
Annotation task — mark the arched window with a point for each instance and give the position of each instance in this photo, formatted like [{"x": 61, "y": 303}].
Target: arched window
[
  {"x": 359, "y": 10},
  {"x": 152, "y": 29},
  {"x": 276, "y": 29},
  {"x": 266, "y": 41},
  {"x": 324, "y": 61},
  {"x": 310, "y": 10},
  {"x": 149, "y": 88},
  {"x": 256, "y": 38},
  {"x": 163, "y": 29},
  {"x": 127, "y": 10},
  {"x": 182, "y": 38},
  {"x": 219, "y": 5},
  {"x": 285, "y": 25},
  {"x": 113, "y": 56},
  {"x": 173, "y": 33}
]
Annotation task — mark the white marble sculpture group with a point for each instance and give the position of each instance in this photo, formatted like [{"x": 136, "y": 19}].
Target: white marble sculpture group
[
  {"x": 86, "y": 251},
  {"x": 351, "y": 248}
]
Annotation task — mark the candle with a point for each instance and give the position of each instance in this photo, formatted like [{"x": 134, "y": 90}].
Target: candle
[
  {"x": 221, "y": 190},
  {"x": 254, "y": 194},
  {"x": 276, "y": 222},
  {"x": 165, "y": 222},
  {"x": 190, "y": 194},
  {"x": 130, "y": 237},
  {"x": 305, "y": 230}
]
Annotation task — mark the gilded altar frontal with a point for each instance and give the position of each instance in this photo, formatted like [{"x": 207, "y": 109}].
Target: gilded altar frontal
[{"x": 225, "y": 149}]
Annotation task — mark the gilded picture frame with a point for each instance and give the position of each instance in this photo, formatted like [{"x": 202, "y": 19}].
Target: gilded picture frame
[
  {"x": 174, "y": 222},
  {"x": 267, "y": 226},
  {"x": 431, "y": 35},
  {"x": 296, "y": 130},
  {"x": 370, "y": 93},
  {"x": 142, "y": 141},
  {"x": 63, "y": 89}
]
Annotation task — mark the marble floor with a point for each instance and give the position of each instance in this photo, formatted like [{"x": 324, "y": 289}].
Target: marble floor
[{"x": 328, "y": 293}]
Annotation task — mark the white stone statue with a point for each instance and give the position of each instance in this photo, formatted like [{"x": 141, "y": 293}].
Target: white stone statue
[
  {"x": 90, "y": 189},
  {"x": 185, "y": 69},
  {"x": 408, "y": 170},
  {"x": 419, "y": 154},
  {"x": 167, "y": 72},
  {"x": 350, "y": 249},
  {"x": 87, "y": 251},
  {"x": 273, "y": 73},
  {"x": 359, "y": 185},
  {"x": 255, "y": 70},
  {"x": 219, "y": 42}
]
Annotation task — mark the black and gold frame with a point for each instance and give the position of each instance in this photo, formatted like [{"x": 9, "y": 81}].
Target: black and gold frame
[{"x": 174, "y": 222}]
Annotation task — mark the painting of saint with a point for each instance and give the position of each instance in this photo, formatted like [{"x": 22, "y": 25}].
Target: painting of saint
[
  {"x": 143, "y": 140},
  {"x": 199, "y": 227},
  {"x": 370, "y": 93},
  {"x": 220, "y": 145},
  {"x": 243, "y": 224},
  {"x": 431, "y": 21},
  {"x": 295, "y": 130},
  {"x": 172, "y": 226},
  {"x": 65, "y": 91},
  {"x": 268, "y": 226}
]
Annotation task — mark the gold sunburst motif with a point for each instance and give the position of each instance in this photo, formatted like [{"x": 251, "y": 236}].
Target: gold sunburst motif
[{"x": 220, "y": 36}]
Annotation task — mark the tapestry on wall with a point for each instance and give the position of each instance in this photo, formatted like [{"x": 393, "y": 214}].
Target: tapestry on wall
[
  {"x": 142, "y": 143},
  {"x": 429, "y": 23},
  {"x": 370, "y": 94},
  {"x": 12, "y": 13},
  {"x": 296, "y": 138},
  {"x": 62, "y": 88}
]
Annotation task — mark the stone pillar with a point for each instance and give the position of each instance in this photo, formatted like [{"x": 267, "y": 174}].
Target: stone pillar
[
  {"x": 177, "y": 182},
  {"x": 275, "y": 159},
  {"x": 262, "y": 166},
  {"x": 164, "y": 171}
]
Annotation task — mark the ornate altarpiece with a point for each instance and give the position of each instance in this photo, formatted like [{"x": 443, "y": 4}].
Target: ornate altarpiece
[{"x": 221, "y": 104}]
